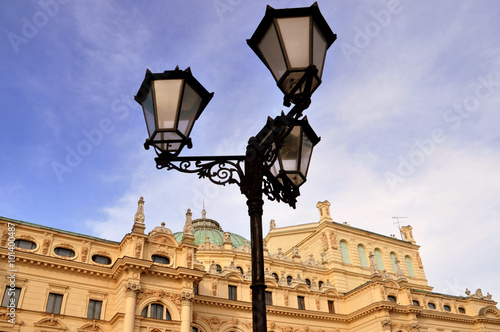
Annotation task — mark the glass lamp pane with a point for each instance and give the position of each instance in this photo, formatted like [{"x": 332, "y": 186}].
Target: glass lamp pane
[
  {"x": 271, "y": 50},
  {"x": 190, "y": 104},
  {"x": 295, "y": 32},
  {"x": 167, "y": 95},
  {"x": 289, "y": 153},
  {"x": 149, "y": 113},
  {"x": 167, "y": 136},
  {"x": 305, "y": 157},
  {"x": 319, "y": 50}
]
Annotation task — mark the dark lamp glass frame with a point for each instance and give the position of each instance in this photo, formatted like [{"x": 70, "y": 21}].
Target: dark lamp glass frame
[
  {"x": 171, "y": 101},
  {"x": 292, "y": 43}
]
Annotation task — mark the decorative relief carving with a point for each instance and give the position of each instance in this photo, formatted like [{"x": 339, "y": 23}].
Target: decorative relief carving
[
  {"x": 189, "y": 260},
  {"x": 138, "y": 249},
  {"x": 133, "y": 287},
  {"x": 419, "y": 261},
  {"x": 162, "y": 239},
  {"x": 214, "y": 322},
  {"x": 324, "y": 239},
  {"x": 25, "y": 237},
  {"x": 333, "y": 239},
  {"x": 281, "y": 256},
  {"x": 5, "y": 237},
  {"x": 155, "y": 329},
  {"x": 312, "y": 262},
  {"x": 214, "y": 288},
  {"x": 90, "y": 327},
  {"x": 45, "y": 246},
  {"x": 160, "y": 294},
  {"x": 187, "y": 295},
  {"x": 85, "y": 252},
  {"x": 285, "y": 296},
  {"x": 50, "y": 322}
]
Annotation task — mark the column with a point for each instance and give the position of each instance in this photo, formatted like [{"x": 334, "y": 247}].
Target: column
[
  {"x": 186, "y": 311},
  {"x": 129, "y": 322}
]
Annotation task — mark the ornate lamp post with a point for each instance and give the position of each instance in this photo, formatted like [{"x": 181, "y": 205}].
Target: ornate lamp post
[{"x": 292, "y": 43}]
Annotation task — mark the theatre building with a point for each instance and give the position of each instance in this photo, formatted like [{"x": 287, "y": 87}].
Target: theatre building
[{"x": 320, "y": 276}]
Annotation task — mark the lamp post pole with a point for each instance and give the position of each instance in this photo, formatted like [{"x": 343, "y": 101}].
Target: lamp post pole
[
  {"x": 292, "y": 43},
  {"x": 254, "y": 177}
]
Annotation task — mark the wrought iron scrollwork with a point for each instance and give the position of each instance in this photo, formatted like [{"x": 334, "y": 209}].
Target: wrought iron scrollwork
[
  {"x": 276, "y": 191},
  {"x": 219, "y": 170}
]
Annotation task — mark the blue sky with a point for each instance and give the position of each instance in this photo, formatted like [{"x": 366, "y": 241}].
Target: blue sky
[{"x": 408, "y": 113}]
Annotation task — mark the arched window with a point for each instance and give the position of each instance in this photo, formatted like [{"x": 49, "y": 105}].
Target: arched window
[
  {"x": 308, "y": 282},
  {"x": 392, "y": 298},
  {"x": 219, "y": 268},
  {"x": 320, "y": 283},
  {"x": 380, "y": 261},
  {"x": 25, "y": 244},
  {"x": 409, "y": 266},
  {"x": 362, "y": 256},
  {"x": 289, "y": 280},
  {"x": 276, "y": 277},
  {"x": 157, "y": 311},
  {"x": 160, "y": 259},
  {"x": 344, "y": 250},
  {"x": 393, "y": 261},
  {"x": 101, "y": 259},
  {"x": 240, "y": 269},
  {"x": 64, "y": 252}
]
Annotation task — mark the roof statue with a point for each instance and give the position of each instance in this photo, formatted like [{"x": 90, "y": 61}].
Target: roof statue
[{"x": 139, "y": 215}]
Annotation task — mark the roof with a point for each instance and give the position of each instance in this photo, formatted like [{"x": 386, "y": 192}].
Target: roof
[{"x": 210, "y": 228}]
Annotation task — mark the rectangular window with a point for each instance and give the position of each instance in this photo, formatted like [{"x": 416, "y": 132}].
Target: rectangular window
[
  {"x": 269, "y": 298},
  {"x": 300, "y": 302},
  {"x": 11, "y": 297},
  {"x": 232, "y": 292},
  {"x": 54, "y": 303},
  {"x": 331, "y": 307},
  {"x": 196, "y": 289},
  {"x": 94, "y": 311}
]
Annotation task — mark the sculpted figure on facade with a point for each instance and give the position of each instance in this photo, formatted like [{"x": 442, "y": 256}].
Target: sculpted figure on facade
[
  {"x": 373, "y": 264},
  {"x": 139, "y": 215},
  {"x": 272, "y": 225},
  {"x": 399, "y": 271},
  {"x": 188, "y": 226}
]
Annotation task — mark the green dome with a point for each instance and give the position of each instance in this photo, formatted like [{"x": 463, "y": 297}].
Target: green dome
[{"x": 204, "y": 227}]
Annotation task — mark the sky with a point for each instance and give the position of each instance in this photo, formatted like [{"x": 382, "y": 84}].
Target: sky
[{"x": 408, "y": 114}]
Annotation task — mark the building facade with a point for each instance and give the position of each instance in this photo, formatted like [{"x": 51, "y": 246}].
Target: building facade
[{"x": 321, "y": 276}]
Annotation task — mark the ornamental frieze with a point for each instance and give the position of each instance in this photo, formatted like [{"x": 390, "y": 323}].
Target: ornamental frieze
[{"x": 161, "y": 294}]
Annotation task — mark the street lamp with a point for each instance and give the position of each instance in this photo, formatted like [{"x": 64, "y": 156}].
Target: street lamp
[
  {"x": 292, "y": 43},
  {"x": 172, "y": 101}
]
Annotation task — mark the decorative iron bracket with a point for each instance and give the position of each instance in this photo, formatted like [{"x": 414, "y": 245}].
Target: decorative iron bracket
[{"x": 220, "y": 170}]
